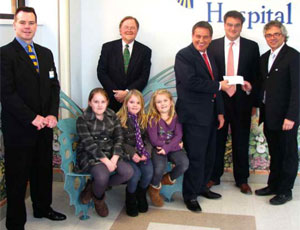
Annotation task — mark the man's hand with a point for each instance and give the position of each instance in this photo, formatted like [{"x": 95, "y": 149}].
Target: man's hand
[
  {"x": 224, "y": 85},
  {"x": 221, "y": 120},
  {"x": 287, "y": 124},
  {"x": 247, "y": 87},
  {"x": 51, "y": 121},
  {"x": 39, "y": 122},
  {"x": 120, "y": 95}
]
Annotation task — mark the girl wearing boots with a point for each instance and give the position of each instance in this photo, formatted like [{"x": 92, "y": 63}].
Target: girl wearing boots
[
  {"x": 165, "y": 133},
  {"x": 138, "y": 148},
  {"x": 99, "y": 150}
]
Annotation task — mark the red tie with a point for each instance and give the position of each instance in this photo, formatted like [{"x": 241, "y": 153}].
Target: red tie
[
  {"x": 208, "y": 65},
  {"x": 209, "y": 68}
]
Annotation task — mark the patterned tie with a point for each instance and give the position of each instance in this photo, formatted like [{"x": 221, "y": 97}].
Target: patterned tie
[
  {"x": 230, "y": 69},
  {"x": 138, "y": 137},
  {"x": 33, "y": 58},
  {"x": 126, "y": 57},
  {"x": 204, "y": 55}
]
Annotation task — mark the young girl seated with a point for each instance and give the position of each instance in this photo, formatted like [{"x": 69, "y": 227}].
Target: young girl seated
[
  {"x": 99, "y": 150},
  {"x": 138, "y": 148},
  {"x": 165, "y": 133}
]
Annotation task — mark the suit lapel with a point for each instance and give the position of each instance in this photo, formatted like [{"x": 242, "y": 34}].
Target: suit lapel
[
  {"x": 280, "y": 55},
  {"x": 119, "y": 56},
  {"x": 222, "y": 56},
  {"x": 242, "y": 55},
  {"x": 133, "y": 57},
  {"x": 24, "y": 56}
]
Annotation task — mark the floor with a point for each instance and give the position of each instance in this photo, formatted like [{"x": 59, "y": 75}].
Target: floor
[{"x": 234, "y": 211}]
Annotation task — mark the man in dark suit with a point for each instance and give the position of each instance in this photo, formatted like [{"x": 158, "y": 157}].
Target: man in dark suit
[
  {"x": 237, "y": 100},
  {"x": 124, "y": 64},
  {"x": 200, "y": 110},
  {"x": 30, "y": 100},
  {"x": 279, "y": 110}
]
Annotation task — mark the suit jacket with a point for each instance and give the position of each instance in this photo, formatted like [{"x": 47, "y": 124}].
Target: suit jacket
[
  {"x": 111, "y": 73},
  {"x": 281, "y": 86},
  {"x": 26, "y": 94},
  {"x": 196, "y": 89},
  {"x": 248, "y": 68}
]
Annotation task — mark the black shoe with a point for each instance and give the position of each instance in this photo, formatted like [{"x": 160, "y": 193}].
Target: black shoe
[
  {"x": 193, "y": 205},
  {"x": 131, "y": 204},
  {"x": 264, "y": 191},
  {"x": 51, "y": 215},
  {"x": 280, "y": 199},
  {"x": 142, "y": 199},
  {"x": 210, "y": 195}
]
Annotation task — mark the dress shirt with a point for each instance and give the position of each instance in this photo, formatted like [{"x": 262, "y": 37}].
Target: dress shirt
[
  {"x": 129, "y": 48},
  {"x": 271, "y": 58},
  {"x": 209, "y": 64},
  {"x": 24, "y": 45}
]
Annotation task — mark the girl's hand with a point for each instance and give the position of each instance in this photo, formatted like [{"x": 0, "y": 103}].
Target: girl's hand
[
  {"x": 181, "y": 145},
  {"x": 114, "y": 160},
  {"x": 110, "y": 166},
  {"x": 143, "y": 158},
  {"x": 136, "y": 158},
  {"x": 161, "y": 151}
]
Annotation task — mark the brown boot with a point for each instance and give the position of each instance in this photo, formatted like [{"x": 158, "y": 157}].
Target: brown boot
[
  {"x": 100, "y": 206},
  {"x": 156, "y": 199},
  {"x": 86, "y": 194},
  {"x": 166, "y": 180}
]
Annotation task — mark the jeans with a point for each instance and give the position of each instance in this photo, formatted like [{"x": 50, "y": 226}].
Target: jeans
[
  {"x": 179, "y": 158},
  {"x": 142, "y": 175}
]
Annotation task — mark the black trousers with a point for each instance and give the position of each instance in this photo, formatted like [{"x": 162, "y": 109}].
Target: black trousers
[
  {"x": 200, "y": 144},
  {"x": 283, "y": 149},
  {"x": 239, "y": 123},
  {"x": 32, "y": 163}
]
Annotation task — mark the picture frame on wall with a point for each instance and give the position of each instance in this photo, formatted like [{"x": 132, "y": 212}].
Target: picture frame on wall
[{"x": 8, "y": 8}]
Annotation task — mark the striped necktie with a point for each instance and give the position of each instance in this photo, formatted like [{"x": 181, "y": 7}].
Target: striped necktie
[
  {"x": 33, "y": 58},
  {"x": 126, "y": 57}
]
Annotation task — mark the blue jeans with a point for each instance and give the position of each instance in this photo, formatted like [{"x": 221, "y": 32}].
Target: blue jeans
[
  {"x": 179, "y": 158},
  {"x": 142, "y": 175}
]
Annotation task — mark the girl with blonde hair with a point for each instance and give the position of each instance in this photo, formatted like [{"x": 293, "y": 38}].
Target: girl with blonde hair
[
  {"x": 138, "y": 149},
  {"x": 165, "y": 133}
]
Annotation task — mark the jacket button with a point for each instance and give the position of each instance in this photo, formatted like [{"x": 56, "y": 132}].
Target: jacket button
[
  {"x": 212, "y": 100},
  {"x": 105, "y": 138}
]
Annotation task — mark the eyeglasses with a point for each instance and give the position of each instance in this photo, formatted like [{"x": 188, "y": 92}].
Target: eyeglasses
[{"x": 275, "y": 35}]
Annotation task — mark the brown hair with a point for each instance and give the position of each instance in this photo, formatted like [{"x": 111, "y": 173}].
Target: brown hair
[
  {"x": 127, "y": 18},
  {"x": 234, "y": 14},
  {"x": 153, "y": 113},
  {"x": 123, "y": 112},
  {"x": 98, "y": 90},
  {"x": 25, "y": 9}
]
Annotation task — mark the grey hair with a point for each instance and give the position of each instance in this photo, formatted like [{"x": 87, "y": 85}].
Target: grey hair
[{"x": 279, "y": 25}]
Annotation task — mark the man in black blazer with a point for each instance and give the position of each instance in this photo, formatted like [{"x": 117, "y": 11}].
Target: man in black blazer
[
  {"x": 279, "y": 110},
  {"x": 30, "y": 100},
  {"x": 118, "y": 77},
  {"x": 200, "y": 110},
  {"x": 238, "y": 100}
]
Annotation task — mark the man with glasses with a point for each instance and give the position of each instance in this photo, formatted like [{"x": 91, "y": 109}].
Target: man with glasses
[
  {"x": 235, "y": 55},
  {"x": 124, "y": 64},
  {"x": 279, "y": 110}
]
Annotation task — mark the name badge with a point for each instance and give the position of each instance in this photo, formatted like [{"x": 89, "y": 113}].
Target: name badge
[{"x": 51, "y": 74}]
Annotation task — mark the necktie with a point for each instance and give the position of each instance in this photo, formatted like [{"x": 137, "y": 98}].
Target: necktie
[
  {"x": 126, "y": 57},
  {"x": 208, "y": 65},
  {"x": 209, "y": 68},
  {"x": 271, "y": 61},
  {"x": 230, "y": 69},
  {"x": 33, "y": 58}
]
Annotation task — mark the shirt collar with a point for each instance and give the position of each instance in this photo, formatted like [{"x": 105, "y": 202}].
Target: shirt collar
[
  {"x": 277, "y": 50},
  {"x": 23, "y": 43},
  {"x": 236, "y": 41},
  {"x": 130, "y": 44}
]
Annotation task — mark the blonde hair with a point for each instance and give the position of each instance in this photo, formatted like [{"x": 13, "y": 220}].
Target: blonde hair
[
  {"x": 123, "y": 112},
  {"x": 153, "y": 113}
]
